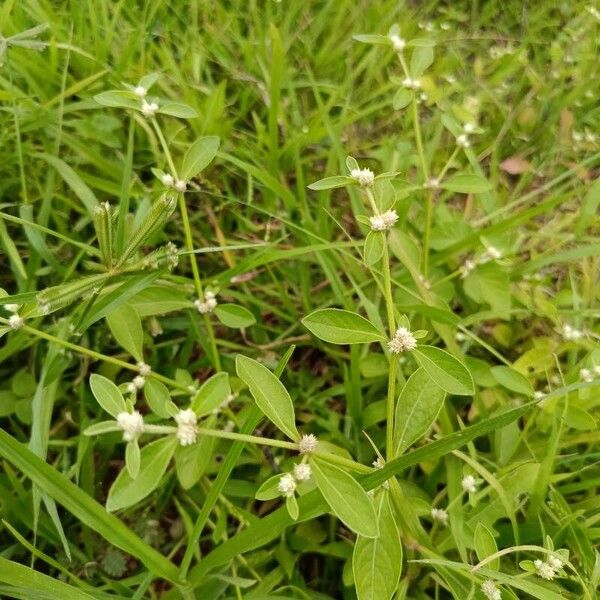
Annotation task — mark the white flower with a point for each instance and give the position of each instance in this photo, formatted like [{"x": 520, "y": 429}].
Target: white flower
[
  {"x": 555, "y": 563},
  {"x": 187, "y": 430},
  {"x": 139, "y": 381},
  {"x": 469, "y": 127},
  {"x": 149, "y": 109},
  {"x": 287, "y": 485},
  {"x": 439, "y": 514},
  {"x": 302, "y": 472},
  {"x": 132, "y": 424},
  {"x": 383, "y": 221},
  {"x": 411, "y": 84},
  {"x": 307, "y": 444},
  {"x": 365, "y": 177},
  {"x": 398, "y": 43},
  {"x": 586, "y": 375},
  {"x": 490, "y": 591},
  {"x": 140, "y": 91},
  {"x": 463, "y": 140},
  {"x": 144, "y": 369},
  {"x": 467, "y": 267},
  {"x": 469, "y": 484},
  {"x": 493, "y": 253},
  {"x": 539, "y": 395},
  {"x": 403, "y": 340},
  {"x": 13, "y": 308},
  {"x": 433, "y": 183},
  {"x": 208, "y": 304},
  {"x": 167, "y": 180},
  {"x": 180, "y": 185},
  {"x": 378, "y": 463},
  {"x": 570, "y": 333},
  {"x": 15, "y": 322},
  {"x": 544, "y": 569}
]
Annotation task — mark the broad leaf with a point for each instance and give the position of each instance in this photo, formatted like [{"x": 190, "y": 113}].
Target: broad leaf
[
  {"x": 158, "y": 399},
  {"x": 126, "y": 326},
  {"x": 512, "y": 380},
  {"x": 339, "y": 326},
  {"x": 446, "y": 370},
  {"x": 192, "y": 461},
  {"x": 177, "y": 109},
  {"x": 373, "y": 247},
  {"x": 331, "y": 182},
  {"x": 107, "y": 394},
  {"x": 118, "y": 99},
  {"x": 199, "y": 155},
  {"x": 213, "y": 392},
  {"x": 466, "y": 183},
  {"x": 234, "y": 316}
]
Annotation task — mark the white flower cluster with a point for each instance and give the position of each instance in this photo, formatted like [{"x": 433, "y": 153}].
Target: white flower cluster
[
  {"x": 571, "y": 334},
  {"x": 208, "y": 304},
  {"x": 383, "y": 221},
  {"x": 136, "y": 384},
  {"x": 491, "y": 253},
  {"x": 547, "y": 569},
  {"x": 364, "y": 177},
  {"x": 440, "y": 515},
  {"x": 178, "y": 184},
  {"x": 490, "y": 590},
  {"x": 402, "y": 341},
  {"x": 144, "y": 368},
  {"x": 397, "y": 43},
  {"x": 588, "y": 375},
  {"x": 149, "y": 109},
  {"x": 288, "y": 481},
  {"x": 463, "y": 140},
  {"x": 411, "y": 84},
  {"x": 469, "y": 484},
  {"x": 187, "y": 428},
  {"x": 308, "y": 443},
  {"x": 132, "y": 424},
  {"x": 15, "y": 321}
]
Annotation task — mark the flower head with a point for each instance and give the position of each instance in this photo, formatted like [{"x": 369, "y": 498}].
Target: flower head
[
  {"x": 180, "y": 185},
  {"x": 364, "y": 177},
  {"x": 403, "y": 340},
  {"x": 15, "y": 322},
  {"x": 586, "y": 375},
  {"x": 149, "y": 109},
  {"x": 411, "y": 84},
  {"x": 397, "y": 42},
  {"x": 287, "y": 485},
  {"x": 131, "y": 423},
  {"x": 140, "y": 91},
  {"x": 383, "y": 221},
  {"x": 555, "y": 563},
  {"x": 570, "y": 333},
  {"x": 463, "y": 140},
  {"x": 439, "y": 514},
  {"x": 167, "y": 180},
  {"x": 469, "y": 127},
  {"x": 544, "y": 569},
  {"x": 490, "y": 591},
  {"x": 187, "y": 430},
  {"x": 469, "y": 484},
  {"x": 13, "y": 308},
  {"x": 302, "y": 472},
  {"x": 308, "y": 443},
  {"x": 208, "y": 304},
  {"x": 144, "y": 368}
]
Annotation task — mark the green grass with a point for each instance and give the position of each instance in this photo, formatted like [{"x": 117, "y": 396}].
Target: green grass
[{"x": 291, "y": 94}]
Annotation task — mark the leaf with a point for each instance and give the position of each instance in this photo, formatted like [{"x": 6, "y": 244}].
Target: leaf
[
  {"x": 418, "y": 406},
  {"x": 158, "y": 399},
  {"x": 126, "y": 326},
  {"x": 199, "y": 155},
  {"x": 485, "y": 545},
  {"x": 132, "y": 458},
  {"x": 292, "y": 507},
  {"x": 512, "y": 380},
  {"x": 466, "y": 183},
  {"x": 118, "y": 99},
  {"x": 489, "y": 283},
  {"x": 192, "y": 461},
  {"x": 331, "y": 182},
  {"x": 373, "y": 247},
  {"x": 107, "y": 395},
  {"x": 515, "y": 165},
  {"x": 402, "y": 98},
  {"x": 269, "y": 393},
  {"x": 339, "y": 326},
  {"x": 445, "y": 370},
  {"x": 346, "y": 498},
  {"x": 178, "y": 109},
  {"x": 213, "y": 392},
  {"x": 154, "y": 460},
  {"x": 421, "y": 60},
  {"x": 269, "y": 490},
  {"x": 377, "y": 563},
  {"x": 372, "y": 38},
  {"x": 234, "y": 316}
]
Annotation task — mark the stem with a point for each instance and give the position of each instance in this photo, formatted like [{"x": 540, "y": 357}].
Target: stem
[
  {"x": 243, "y": 437},
  {"x": 343, "y": 462},
  {"x": 372, "y": 201}
]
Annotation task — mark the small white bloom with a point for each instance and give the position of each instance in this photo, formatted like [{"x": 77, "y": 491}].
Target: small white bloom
[
  {"x": 571, "y": 334},
  {"x": 144, "y": 369},
  {"x": 307, "y": 444},
  {"x": 149, "y": 109},
  {"x": 208, "y": 304},
  {"x": 586, "y": 375},
  {"x": 490, "y": 591},
  {"x": 544, "y": 569},
  {"x": 439, "y": 514},
  {"x": 539, "y": 395},
  {"x": 469, "y": 127},
  {"x": 13, "y": 308},
  {"x": 180, "y": 185},
  {"x": 132, "y": 425},
  {"x": 131, "y": 387},
  {"x": 463, "y": 140},
  {"x": 378, "y": 463},
  {"x": 403, "y": 340},
  {"x": 411, "y": 84},
  {"x": 365, "y": 177},
  {"x": 493, "y": 253},
  {"x": 139, "y": 382},
  {"x": 15, "y": 322},
  {"x": 469, "y": 484},
  {"x": 467, "y": 267},
  {"x": 302, "y": 472},
  {"x": 398, "y": 43},
  {"x": 383, "y": 221},
  {"x": 167, "y": 180},
  {"x": 433, "y": 183},
  {"x": 140, "y": 91},
  {"x": 287, "y": 485},
  {"x": 555, "y": 563},
  {"x": 187, "y": 430}
]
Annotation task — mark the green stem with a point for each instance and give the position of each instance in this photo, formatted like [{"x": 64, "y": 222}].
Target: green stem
[
  {"x": 343, "y": 462},
  {"x": 243, "y": 437}
]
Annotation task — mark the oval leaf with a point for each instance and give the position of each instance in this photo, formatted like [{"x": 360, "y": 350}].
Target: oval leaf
[
  {"x": 158, "y": 399},
  {"x": 373, "y": 247},
  {"x": 466, "y": 183},
  {"x": 234, "y": 316},
  {"x": 107, "y": 394},
  {"x": 512, "y": 380},
  {"x": 199, "y": 155},
  {"x": 177, "y": 109},
  {"x": 446, "y": 370},
  {"x": 126, "y": 326},
  {"x": 342, "y": 327},
  {"x": 331, "y": 182},
  {"x": 213, "y": 392}
]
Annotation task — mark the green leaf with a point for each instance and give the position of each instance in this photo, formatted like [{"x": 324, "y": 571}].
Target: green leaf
[
  {"x": 421, "y": 60},
  {"x": 346, "y": 498},
  {"x": 126, "y": 326},
  {"x": 118, "y": 99},
  {"x": 339, "y": 326},
  {"x": 234, "y": 316},
  {"x": 466, "y": 183},
  {"x": 372, "y": 38},
  {"x": 292, "y": 507},
  {"x": 213, "y": 392},
  {"x": 192, "y": 461},
  {"x": 154, "y": 460},
  {"x": 377, "y": 562},
  {"x": 107, "y": 394},
  {"x": 512, "y": 380},
  {"x": 178, "y": 109},
  {"x": 269, "y": 489},
  {"x": 402, "y": 98},
  {"x": 485, "y": 545},
  {"x": 418, "y": 406},
  {"x": 331, "y": 182},
  {"x": 374, "y": 243},
  {"x": 445, "y": 370},
  {"x": 199, "y": 155},
  {"x": 102, "y": 427},
  {"x": 132, "y": 458},
  {"x": 269, "y": 393},
  {"x": 489, "y": 283},
  {"x": 158, "y": 399}
]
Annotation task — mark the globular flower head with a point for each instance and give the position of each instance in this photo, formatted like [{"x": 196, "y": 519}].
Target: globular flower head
[
  {"x": 555, "y": 563},
  {"x": 208, "y": 304},
  {"x": 131, "y": 423},
  {"x": 586, "y": 375},
  {"x": 544, "y": 569},
  {"x": 144, "y": 368},
  {"x": 15, "y": 322},
  {"x": 463, "y": 140},
  {"x": 139, "y": 381},
  {"x": 180, "y": 185},
  {"x": 469, "y": 484},
  {"x": 493, "y": 253},
  {"x": 402, "y": 341},
  {"x": 364, "y": 177},
  {"x": 397, "y": 42},
  {"x": 12, "y": 308},
  {"x": 187, "y": 430},
  {"x": 167, "y": 180},
  {"x": 411, "y": 84},
  {"x": 149, "y": 109},
  {"x": 302, "y": 472},
  {"x": 469, "y": 127},
  {"x": 440, "y": 515},
  {"x": 570, "y": 333},
  {"x": 383, "y": 221},
  {"x": 140, "y": 91},
  {"x": 466, "y": 268},
  {"x": 308, "y": 443},
  {"x": 287, "y": 485},
  {"x": 490, "y": 591}
]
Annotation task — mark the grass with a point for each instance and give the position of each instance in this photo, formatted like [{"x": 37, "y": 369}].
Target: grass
[{"x": 291, "y": 92}]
